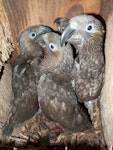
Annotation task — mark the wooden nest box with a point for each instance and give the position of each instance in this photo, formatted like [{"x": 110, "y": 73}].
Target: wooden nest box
[{"x": 15, "y": 16}]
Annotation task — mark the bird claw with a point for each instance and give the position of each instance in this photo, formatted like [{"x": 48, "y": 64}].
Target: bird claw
[
  {"x": 89, "y": 106},
  {"x": 94, "y": 112},
  {"x": 77, "y": 65}
]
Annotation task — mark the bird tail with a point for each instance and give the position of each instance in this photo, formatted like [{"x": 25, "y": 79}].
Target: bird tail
[{"x": 8, "y": 128}]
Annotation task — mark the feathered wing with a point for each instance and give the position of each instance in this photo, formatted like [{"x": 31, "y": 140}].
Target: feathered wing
[
  {"x": 24, "y": 101},
  {"x": 87, "y": 88},
  {"x": 59, "y": 103}
]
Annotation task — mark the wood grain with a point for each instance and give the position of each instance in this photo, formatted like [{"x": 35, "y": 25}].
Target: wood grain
[
  {"x": 6, "y": 47},
  {"x": 106, "y": 8},
  {"x": 23, "y": 13},
  {"x": 5, "y": 91},
  {"x": 6, "y": 42},
  {"x": 106, "y": 101}
]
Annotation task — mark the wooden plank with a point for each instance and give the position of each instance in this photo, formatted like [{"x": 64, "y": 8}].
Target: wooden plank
[
  {"x": 106, "y": 101},
  {"x": 22, "y": 13},
  {"x": 5, "y": 92},
  {"x": 106, "y": 8}
]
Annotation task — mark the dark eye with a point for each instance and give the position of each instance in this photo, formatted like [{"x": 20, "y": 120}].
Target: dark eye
[
  {"x": 52, "y": 47},
  {"x": 32, "y": 35},
  {"x": 89, "y": 27},
  {"x": 62, "y": 29}
]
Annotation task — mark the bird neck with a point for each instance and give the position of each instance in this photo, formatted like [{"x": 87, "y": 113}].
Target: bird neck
[
  {"x": 61, "y": 67},
  {"x": 90, "y": 48}
]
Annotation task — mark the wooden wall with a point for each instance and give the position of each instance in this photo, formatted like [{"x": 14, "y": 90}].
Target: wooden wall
[
  {"x": 106, "y": 8},
  {"x": 106, "y": 101},
  {"x": 23, "y": 13}
]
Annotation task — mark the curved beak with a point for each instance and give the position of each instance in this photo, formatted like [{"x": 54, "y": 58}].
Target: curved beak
[
  {"x": 40, "y": 40},
  {"x": 47, "y": 29},
  {"x": 66, "y": 35},
  {"x": 57, "y": 21}
]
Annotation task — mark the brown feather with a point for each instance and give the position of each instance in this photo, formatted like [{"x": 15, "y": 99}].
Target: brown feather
[
  {"x": 56, "y": 96},
  {"x": 24, "y": 100}
]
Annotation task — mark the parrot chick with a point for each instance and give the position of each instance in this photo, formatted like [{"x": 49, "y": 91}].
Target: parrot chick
[
  {"x": 57, "y": 98},
  {"x": 61, "y": 23},
  {"x": 25, "y": 75},
  {"x": 86, "y": 34}
]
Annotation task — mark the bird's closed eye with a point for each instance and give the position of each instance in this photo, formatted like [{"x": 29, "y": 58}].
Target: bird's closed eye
[
  {"x": 32, "y": 35},
  {"x": 52, "y": 47}
]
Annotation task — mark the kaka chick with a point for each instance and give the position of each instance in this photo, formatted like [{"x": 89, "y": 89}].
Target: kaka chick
[
  {"x": 57, "y": 98},
  {"x": 61, "y": 23},
  {"x": 86, "y": 34},
  {"x": 25, "y": 74}
]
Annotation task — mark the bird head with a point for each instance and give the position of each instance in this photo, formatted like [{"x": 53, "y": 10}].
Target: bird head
[
  {"x": 56, "y": 59},
  {"x": 61, "y": 23},
  {"x": 82, "y": 29},
  {"x": 26, "y": 39}
]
